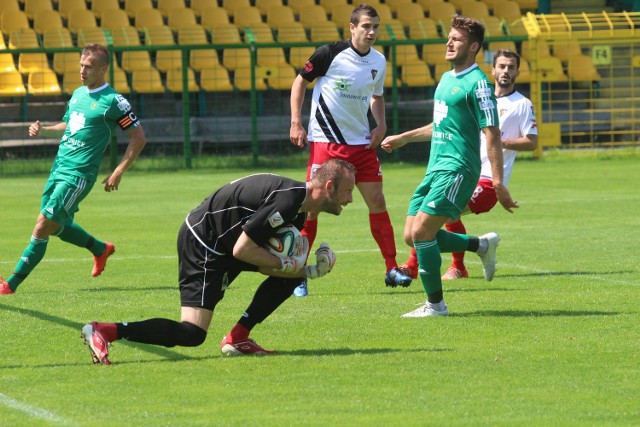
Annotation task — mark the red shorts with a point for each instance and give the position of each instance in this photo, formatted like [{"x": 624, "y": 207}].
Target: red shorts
[
  {"x": 364, "y": 160},
  {"x": 484, "y": 198}
]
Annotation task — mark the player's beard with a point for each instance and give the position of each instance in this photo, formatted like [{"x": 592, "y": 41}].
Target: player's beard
[{"x": 333, "y": 205}]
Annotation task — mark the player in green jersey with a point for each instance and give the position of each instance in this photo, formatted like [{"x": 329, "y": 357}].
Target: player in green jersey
[
  {"x": 94, "y": 111},
  {"x": 464, "y": 105}
]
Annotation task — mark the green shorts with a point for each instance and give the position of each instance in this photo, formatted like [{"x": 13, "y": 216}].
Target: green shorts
[
  {"x": 443, "y": 193},
  {"x": 62, "y": 195}
]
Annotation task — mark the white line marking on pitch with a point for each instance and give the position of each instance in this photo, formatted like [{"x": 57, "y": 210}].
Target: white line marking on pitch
[{"x": 32, "y": 411}]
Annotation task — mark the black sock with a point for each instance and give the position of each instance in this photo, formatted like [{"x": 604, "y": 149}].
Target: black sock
[
  {"x": 269, "y": 296},
  {"x": 165, "y": 332}
]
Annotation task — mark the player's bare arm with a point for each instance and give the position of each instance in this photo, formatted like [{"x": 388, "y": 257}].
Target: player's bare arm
[
  {"x": 525, "y": 143},
  {"x": 249, "y": 251},
  {"x": 378, "y": 112},
  {"x": 421, "y": 134},
  {"x": 137, "y": 141},
  {"x": 297, "y": 134},
  {"x": 53, "y": 131},
  {"x": 494, "y": 152}
]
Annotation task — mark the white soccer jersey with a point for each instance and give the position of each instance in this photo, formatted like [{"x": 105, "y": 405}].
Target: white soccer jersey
[
  {"x": 517, "y": 119},
  {"x": 345, "y": 83}
]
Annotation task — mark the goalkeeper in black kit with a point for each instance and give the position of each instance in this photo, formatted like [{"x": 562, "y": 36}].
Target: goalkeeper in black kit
[{"x": 225, "y": 236}]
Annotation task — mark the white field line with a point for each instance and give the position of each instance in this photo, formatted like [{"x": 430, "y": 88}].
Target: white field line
[{"x": 32, "y": 411}]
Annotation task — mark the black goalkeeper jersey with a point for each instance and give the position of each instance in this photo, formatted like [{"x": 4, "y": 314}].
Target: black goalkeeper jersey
[{"x": 257, "y": 204}]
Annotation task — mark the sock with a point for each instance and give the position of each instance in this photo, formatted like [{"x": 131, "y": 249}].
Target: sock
[
  {"x": 430, "y": 262},
  {"x": 239, "y": 333},
  {"x": 412, "y": 262},
  {"x": 310, "y": 230},
  {"x": 165, "y": 332},
  {"x": 268, "y": 297},
  {"x": 452, "y": 242},
  {"x": 458, "y": 257},
  {"x": 382, "y": 232},
  {"x": 31, "y": 257},
  {"x": 76, "y": 235}
]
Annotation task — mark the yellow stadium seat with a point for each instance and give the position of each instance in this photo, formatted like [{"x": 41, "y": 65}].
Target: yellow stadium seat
[
  {"x": 7, "y": 63},
  {"x": 200, "y": 59},
  {"x": 551, "y": 68},
  {"x": 388, "y": 79},
  {"x": 528, "y": 4},
  {"x": 180, "y": 18},
  {"x": 433, "y": 53},
  {"x": 516, "y": 28},
  {"x": 311, "y": 15},
  {"x": 134, "y": 60},
  {"x": 174, "y": 81},
  {"x": 429, "y": 5},
  {"x": 330, "y": 4},
  {"x": 13, "y": 20},
  {"x": 543, "y": 49},
  {"x": 125, "y": 36},
  {"x": 261, "y": 32},
  {"x": 213, "y": 16},
  {"x": 235, "y": 58},
  {"x": 281, "y": 77},
  {"x": 31, "y": 7},
  {"x": 340, "y": 14},
  {"x": 9, "y": 5},
  {"x": 81, "y": 19},
  {"x": 91, "y": 35},
  {"x": 525, "y": 72},
  {"x": 225, "y": 34},
  {"x": 194, "y": 34},
  {"x": 384, "y": 11},
  {"x": 43, "y": 83},
  {"x": 325, "y": 31},
  {"x": 475, "y": 9},
  {"x": 565, "y": 49},
  {"x": 59, "y": 37},
  {"x": 147, "y": 81},
  {"x": 246, "y": 16},
  {"x": 492, "y": 26},
  {"x": 215, "y": 79},
  {"x": 66, "y": 61},
  {"x": 11, "y": 83},
  {"x": 440, "y": 69},
  {"x": 47, "y": 20},
  {"x": 270, "y": 56},
  {"x": 296, "y": 5},
  {"x": 66, "y": 6},
  {"x": 279, "y": 15},
  {"x": 264, "y": 5},
  {"x": 443, "y": 13},
  {"x": 388, "y": 28},
  {"x": 166, "y": 6},
  {"x": 199, "y": 5},
  {"x": 505, "y": 45},
  {"x": 133, "y": 6},
  {"x": 423, "y": 29},
  {"x": 147, "y": 18},
  {"x": 408, "y": 13},
  {"x": 508, "y": 10},
  {"x": 581, "y": 68},
  {"x": 242, "y": 79},
  {"x": 23, "y": 38},
  {"x": 405, "y": 54},
  {"x": 231, "y": 5},
  {"x": 158, "y": 36},
  {"x": 291, "y": 32},
  {"x": 71, "y": 81},
  {"x": 298, "y": 56},
  {"x": 115, "y": 18},
  {"x": 395, "y": 4},
  {"x": 100, "y": 8},
  {"x": 168, "y": 60}
]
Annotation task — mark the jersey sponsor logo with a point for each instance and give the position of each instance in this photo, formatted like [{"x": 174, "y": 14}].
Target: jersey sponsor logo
[
  {"x": 76, "y": 122},
  {"x": 342, "y": 85},
  {"x": 308, "y": 67},
  {"x": 486, "y": 105},
  {"x": 123, "y": 105},
  {"x": 440, "y": 111},
  {"x": 483, "y": 92},
  {"x": 276, "y": 220},
  {"x": 72, "y": 142}
]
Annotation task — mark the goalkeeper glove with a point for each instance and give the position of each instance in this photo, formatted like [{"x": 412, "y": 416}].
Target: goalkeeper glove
[
  {"x": 296, "y": 261},
  {"x": 325, "y": 260}
]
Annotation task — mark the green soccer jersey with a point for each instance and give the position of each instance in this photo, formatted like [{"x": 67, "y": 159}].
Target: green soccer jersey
[
  {"x": 464, "y": 103},
  {"x": 91, "y": 117}
]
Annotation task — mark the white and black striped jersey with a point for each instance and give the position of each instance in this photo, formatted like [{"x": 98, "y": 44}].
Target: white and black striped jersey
[
  {"x": 257, "y": 204},
  {"x": 346, "y": 80}
]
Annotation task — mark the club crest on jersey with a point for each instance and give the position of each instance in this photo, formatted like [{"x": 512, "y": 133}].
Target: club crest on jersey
[
  {"x": 455, "y": 90},
  {"x": 276, "y": 220},
  {"x": 342, "y": 85},
  {"x": 94, "y": 105},
  {"x": 308, "y": 67},
  {"x": 374, "y": 73}
]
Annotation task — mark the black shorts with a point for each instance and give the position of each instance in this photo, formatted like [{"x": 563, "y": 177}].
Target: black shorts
[{"x": 204, "y": 276}]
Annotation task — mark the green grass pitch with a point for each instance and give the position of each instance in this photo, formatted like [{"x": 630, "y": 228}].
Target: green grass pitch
[{"x": 552, "y": 340}]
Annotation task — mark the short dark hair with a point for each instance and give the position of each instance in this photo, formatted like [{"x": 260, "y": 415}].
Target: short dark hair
[
  {"x": 332, "y": 170},
  {"x": 471, "y": 27},
  {"x": 363, "y": 9},
  {"x": 97, "y": 50},
  {"x": 507, "y": 54}
]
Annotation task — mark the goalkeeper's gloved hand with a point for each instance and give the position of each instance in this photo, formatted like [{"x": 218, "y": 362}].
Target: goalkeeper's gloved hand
[
  {"x": 325, "y": 260},
  {"x": 298, "y": 258}
]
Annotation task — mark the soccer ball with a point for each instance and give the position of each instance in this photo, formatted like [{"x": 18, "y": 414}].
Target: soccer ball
[{"x": 282, "y": 244}]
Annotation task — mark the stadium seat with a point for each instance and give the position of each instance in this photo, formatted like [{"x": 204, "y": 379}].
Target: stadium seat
[
  {"x": 423, "y": 29},
  {"x": 279, "y": 15},
  {"x": 180, "y": 18},
  {"x": 242, "y": 79},
  {"x": 505, "y": 45},
  {"x": 429, "y": 5},
  {"x": 264, "y": 5},
  {"x": 7, "y": 63},
  {"x": 199, "y": 5},
  {"x": 291, "y": 32},
  {"x": 70, "y": 82},
  {"x": 384, "y": 11},
  {"x": 120, "y": 82},
  {"x": 100, "y": 8},
  {"x": 298, "y": 56},
  {"x": 147, "y": 18},
  {"x": 115, "y": 18},
  {"x": 192, "y": 35},
  {"x": 508, "y": 10},
  {"x": 225, "y": 34},
  {"x": 543, "y": 49},
  {"x": 31, "y": 7},
  {"x": 168, "y": 60},
  {"x": 134, "y": 60},
  {"x": 516, "y": 28},
  {"x": 146, "y": 81},
  {"x": 23, "y": 38},
  {"x": 133, "y": 6},
  {"x": 261, "y": 33},
  {"x": 125, "y": 36},
  {"x": 215, "y": 79},
  {"x": 198, "y": 58},
  {"x": 166, "y": 6},
  {"x": 551, "y": 68},
  {"x": 405, "y": 54},
  {"x": 389, "y": 28},
  {"x": 235, "y": 58},
  {"x": 581, "y": 68},
  {"x": 43, "y": 83},
  {"x": 433, "y": 54},
  {"x": 159, "y": 36},
  {"x": 9, "y": 5},
  {"x": 525, "y": 72},
  {"x": 231, "y": 5},
  {"x": 440, "y": 69},
  {"x": 324, "y": 31},
  {"x": 296, "y": 5},
  {"x": 66, "y": 6},
  {"x": 91, "y": 35},
  {"x": 388, "y": 78},
  {"x": 565, "y": 49},
  {"x": 330, "y": 4},
  {"x": 493, "y": 26},
  {"x": 11, "y": 83},
  {"x": 528, "y": 4},
  {"x": 81, "y": 19},
  {"x": 270, "y": 56},
  {"x": 59, "y": 37},
  {"x": 47, "y": 20},
  {"x": 246, "y": 16},
  {"x": 66, "y": 61},
  {"x": 408, "y": 13},
  {"x": 340, "y": 13},
  {"x": 416, "y": 74},
  {"x": 475, "y": 9},
  {"x": 174, "y": 81},
  {"x": 13, "y": 20},
  {"x": 443, "y": 14},
  {"x": 395, "y": 4},
  {"x": 281, "y": 77},
  {"x": 213, "y": 16}
]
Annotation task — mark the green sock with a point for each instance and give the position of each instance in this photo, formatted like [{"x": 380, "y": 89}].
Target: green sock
[
  {"x": 76, "y": 235},
  {"x": 452, "y": 242},
  {"x": 430, "y": 261},
  {"x": 30, "y": 258}
]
